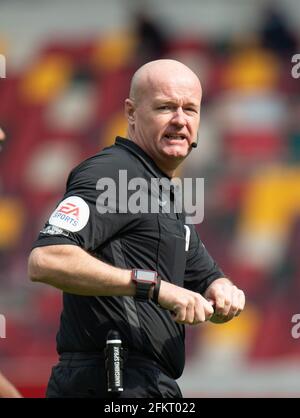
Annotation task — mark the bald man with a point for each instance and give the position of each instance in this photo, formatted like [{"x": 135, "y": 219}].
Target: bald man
[{"x": 124, "y": 256}]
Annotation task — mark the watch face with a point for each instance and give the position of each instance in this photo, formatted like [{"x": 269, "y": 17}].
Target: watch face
[{"x": 145, "y": 276}]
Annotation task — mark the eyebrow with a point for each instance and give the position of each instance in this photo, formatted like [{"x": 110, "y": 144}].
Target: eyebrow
[{"x": 174, "y": 102}]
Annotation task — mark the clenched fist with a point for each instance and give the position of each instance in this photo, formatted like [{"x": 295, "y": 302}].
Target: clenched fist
[
  {"x": 187, "y": 307},
  {"x": 227, "y": 299}
]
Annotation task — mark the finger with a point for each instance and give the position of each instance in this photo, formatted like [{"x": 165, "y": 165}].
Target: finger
[
  {"x": 190, "y": 314},
  {"x": 242, "y": 302},
  {"x": 209, "y": 310},
  {"x": 199, "y": 317},
  {"x": 179, "y": 314},
  {"x": 235, "y": 303},
  {"x": 212, "y": 303},
  {"x": 219, "y": 301},
  {"x": 203, "y": 311},
  {"x": 224, "y": 311}
]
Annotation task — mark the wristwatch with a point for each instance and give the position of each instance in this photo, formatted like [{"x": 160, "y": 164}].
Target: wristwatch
[{"x": 144, "y": 280}]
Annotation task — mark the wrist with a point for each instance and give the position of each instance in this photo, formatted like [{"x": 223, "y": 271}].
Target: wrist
[
  {"x": 223, "y": 280},
  {"x": 144, "y": 281}
]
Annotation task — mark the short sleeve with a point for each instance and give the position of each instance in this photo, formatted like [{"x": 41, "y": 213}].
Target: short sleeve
[
  {"x": 88, "y": 215},
  {"x": 201, "y": 270}
]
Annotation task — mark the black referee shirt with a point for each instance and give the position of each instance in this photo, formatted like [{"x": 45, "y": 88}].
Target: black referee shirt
[{"x": 152, "y": 241}]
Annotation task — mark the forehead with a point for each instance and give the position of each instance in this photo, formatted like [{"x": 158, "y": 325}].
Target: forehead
[{"x": 174, "y": 88}]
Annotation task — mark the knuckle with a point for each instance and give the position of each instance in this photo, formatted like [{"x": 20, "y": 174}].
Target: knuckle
[
  {"x": 181, "y": 305},
  {"x": 218, "y": 294},
  {"x": 234, "y": 307}
]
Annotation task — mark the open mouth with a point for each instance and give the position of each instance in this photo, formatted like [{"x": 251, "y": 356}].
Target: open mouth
[{"x": 175, "y": 137}]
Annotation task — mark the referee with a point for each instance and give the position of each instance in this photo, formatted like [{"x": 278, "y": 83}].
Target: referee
[{"x": 144, "y": 274}]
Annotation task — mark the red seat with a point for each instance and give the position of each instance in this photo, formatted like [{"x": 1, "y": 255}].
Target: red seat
[
  {"x": 253, "y": 145},
  {"x": 274, "y": 338}
]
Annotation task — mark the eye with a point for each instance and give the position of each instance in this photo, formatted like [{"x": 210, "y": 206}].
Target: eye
[{"x": 191, "y": 110}]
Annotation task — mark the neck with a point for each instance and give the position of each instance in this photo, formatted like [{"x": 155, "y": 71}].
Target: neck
[{"x": 166, "y": 165}]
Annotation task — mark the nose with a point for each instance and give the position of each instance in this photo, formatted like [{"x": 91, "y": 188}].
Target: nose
[{"x": 179, "y": 117}]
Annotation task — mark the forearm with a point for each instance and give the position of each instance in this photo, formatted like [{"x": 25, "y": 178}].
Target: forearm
[{"x": 73, "y": 270}]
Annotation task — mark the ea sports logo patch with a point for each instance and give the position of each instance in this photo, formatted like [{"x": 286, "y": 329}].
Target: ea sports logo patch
[
  {"x": 72, "y": 214},
  {"x": 70, "y": 209}
]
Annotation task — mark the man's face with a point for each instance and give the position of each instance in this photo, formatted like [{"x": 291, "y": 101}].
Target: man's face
[
  {"x": 2, "y": 135},
  {"x": 166, "y": 118}
]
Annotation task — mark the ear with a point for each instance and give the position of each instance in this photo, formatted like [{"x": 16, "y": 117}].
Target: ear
[{"x": 130, "y": 111}]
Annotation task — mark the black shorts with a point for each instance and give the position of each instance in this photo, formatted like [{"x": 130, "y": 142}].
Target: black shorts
[{"x": 84, "y": 376}]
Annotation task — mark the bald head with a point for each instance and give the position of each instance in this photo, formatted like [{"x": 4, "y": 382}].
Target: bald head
[
  {"x": 164, "y": 71},
  {"x": 163, "y": 111},
  {"x": 2, "y": 135}
]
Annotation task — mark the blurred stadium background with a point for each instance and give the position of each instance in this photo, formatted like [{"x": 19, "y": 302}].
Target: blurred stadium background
[{"x": 68, "y": 70}]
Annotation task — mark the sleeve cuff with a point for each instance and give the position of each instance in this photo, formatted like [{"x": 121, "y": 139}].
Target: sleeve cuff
[{"x": 48, "y": 240}]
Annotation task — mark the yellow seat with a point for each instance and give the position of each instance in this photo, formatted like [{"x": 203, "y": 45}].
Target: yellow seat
[
  {"x": 272, "y": 201},
  {"x": 252, "y": 69},
  {"x": 114, "y": 51},
  {"x": 46, "y": 79},
  {"x": 117, "y": 125},
  {"x": 11, "y": 222}
]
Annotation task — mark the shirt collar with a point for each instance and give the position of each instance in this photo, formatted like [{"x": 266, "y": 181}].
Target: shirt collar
[{"x": 140, "y": 153}]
